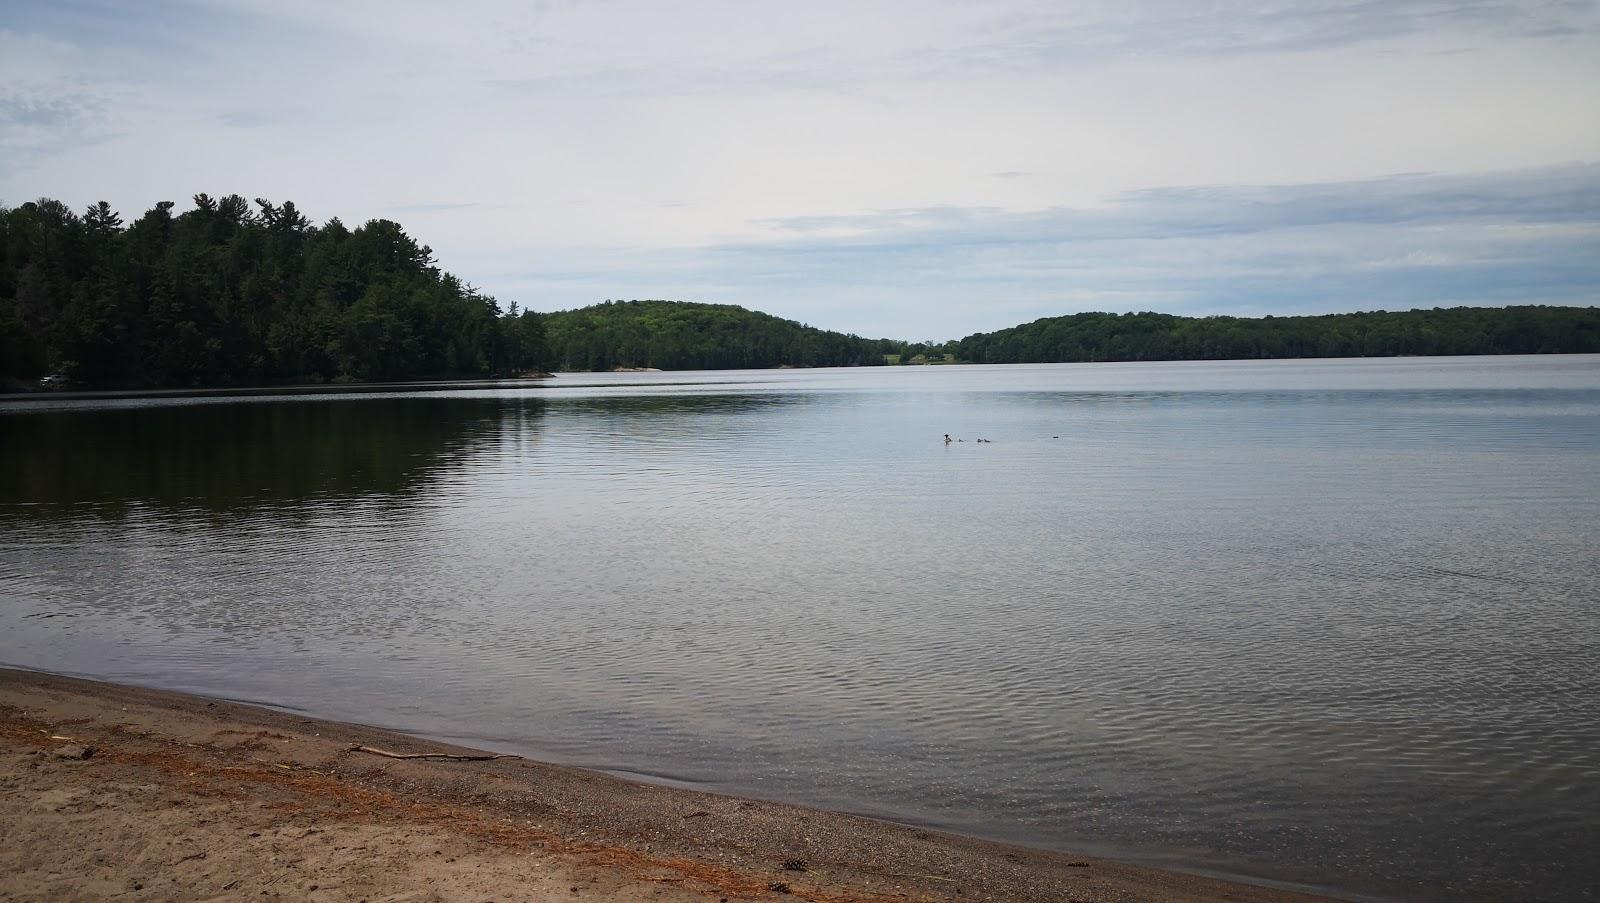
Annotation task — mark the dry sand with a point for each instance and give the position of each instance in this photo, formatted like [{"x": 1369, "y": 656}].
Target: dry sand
[{"x": 185, "y": 798}]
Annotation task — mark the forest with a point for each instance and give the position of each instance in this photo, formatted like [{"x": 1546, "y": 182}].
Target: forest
[
  {"x": 235, "y": 293},
  {"x": 676, "y": 335},
  {"x": 1164, "y": 337},
  {"x": 232, "y": 293}
]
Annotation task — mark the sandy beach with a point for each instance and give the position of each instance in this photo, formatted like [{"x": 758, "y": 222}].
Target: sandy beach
[{"x": 113, "y": 791}]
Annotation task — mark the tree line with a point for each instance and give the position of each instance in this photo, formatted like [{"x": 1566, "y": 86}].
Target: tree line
[
  {"x": 1529, "y": 329},
  {"x": 678, "y": 335},
  {"x": 235, "y": 293}
]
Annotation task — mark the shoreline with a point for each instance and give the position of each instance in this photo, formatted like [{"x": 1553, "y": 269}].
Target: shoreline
[
  {"x": 360, "y": 388},
  {"x": 541, "y": 380},
  {"x": 181, "y": 790}
]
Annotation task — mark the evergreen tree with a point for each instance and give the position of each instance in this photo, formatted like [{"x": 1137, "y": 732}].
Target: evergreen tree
[{"x": 224, "y": 294}]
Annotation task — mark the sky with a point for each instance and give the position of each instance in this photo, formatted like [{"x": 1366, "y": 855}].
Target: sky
[{"x": 918, "y": 170}]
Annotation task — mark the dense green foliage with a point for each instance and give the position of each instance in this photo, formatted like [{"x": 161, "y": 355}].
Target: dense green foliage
[
  {"x": 227, "y": 294},
  {"x": 676, "y": 335},
  {"x": 232, "y": 294},
  {"x": 1163, "y": 337}
]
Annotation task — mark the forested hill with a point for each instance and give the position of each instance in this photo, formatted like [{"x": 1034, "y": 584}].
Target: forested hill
[
  {"x": 1163, "y": 337},
  {"x": 232, "y": 293},
  {"x": 229, "y": 293},
  {"x": 678, "y": 335}
]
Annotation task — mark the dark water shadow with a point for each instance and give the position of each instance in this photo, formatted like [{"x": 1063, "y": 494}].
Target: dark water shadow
[
  {"x": 250, "y": 454},
  {"x": 232, "y": 457}
]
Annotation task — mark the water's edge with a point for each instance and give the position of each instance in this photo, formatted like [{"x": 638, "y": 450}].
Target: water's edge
[{"x": 533, "y": 754}]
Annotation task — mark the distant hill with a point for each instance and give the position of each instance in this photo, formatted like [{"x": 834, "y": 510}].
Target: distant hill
[
  {"x": 1165, "y": 337},
  {"x": 682, "y": 335},
  {"x": 231, "y": 293}
]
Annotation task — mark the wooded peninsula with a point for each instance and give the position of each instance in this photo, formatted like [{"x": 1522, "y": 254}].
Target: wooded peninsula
[{"x": 231, "y": 293}]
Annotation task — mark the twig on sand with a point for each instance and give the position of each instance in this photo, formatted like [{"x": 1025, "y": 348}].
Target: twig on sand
[{"x": 449, "y": 756}]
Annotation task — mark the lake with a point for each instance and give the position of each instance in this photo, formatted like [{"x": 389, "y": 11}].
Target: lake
[{"x": 1329, "y": 622}]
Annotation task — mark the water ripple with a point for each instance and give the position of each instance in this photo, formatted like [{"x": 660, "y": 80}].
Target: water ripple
[{"x": 1343, "y": 634}]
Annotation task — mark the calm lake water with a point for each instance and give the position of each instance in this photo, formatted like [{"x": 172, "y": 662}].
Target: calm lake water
[{"x": 1332, "y": 622}]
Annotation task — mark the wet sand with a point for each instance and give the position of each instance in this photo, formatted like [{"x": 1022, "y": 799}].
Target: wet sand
[{"x": 113, "y": 791}]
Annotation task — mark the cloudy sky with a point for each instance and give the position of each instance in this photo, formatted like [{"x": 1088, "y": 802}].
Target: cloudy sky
[{"x": 914, "y": 169}]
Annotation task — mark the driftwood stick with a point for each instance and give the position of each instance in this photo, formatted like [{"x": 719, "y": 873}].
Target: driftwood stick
[{"x": 449, "y": 756}]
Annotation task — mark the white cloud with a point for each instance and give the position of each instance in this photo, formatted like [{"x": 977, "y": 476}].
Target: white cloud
[{"x": 551, "y": 151}]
